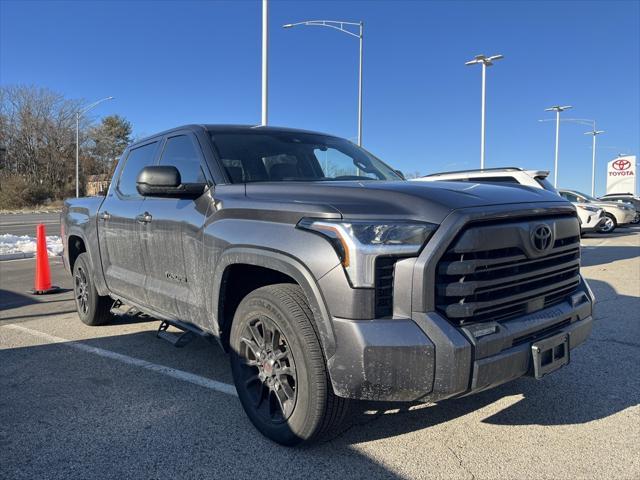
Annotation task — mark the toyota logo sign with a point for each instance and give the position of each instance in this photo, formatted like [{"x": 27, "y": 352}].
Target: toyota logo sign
[
  {"x": 542, "y": 237},
  {"x": 622, "y": 164}
]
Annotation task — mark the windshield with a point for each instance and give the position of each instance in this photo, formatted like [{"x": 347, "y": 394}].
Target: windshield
[
  {"x": 267, "y": 156},
  {"x": 588, "y": 197}
]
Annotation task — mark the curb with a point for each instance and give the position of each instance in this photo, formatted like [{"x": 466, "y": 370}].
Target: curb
[{"x": 21, "y": 255}]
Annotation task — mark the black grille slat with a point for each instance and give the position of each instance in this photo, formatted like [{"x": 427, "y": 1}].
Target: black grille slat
[
  {"x": 470, "y": 287},
  {"x": 461, "y": 267},
  {"x": 461, "y": 310},
  {"x": 481, "y": 284}
]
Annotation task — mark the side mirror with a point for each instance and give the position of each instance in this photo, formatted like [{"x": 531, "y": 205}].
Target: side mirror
[
  {"x": 400, "y": 174},
  {"x": 165, "y": 181}
]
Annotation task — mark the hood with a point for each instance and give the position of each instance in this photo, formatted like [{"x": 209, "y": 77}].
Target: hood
[
  {"x": 430, "y": 201},
  {"x": 611, "y": 205}
]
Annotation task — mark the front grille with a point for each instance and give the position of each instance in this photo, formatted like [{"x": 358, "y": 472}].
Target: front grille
[
  {"x": 385, "y": 267},
  {"x": 490, "y": 273}
]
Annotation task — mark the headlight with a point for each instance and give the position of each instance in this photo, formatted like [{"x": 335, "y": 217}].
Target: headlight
[
  {"x": 359, "y": 242},
  {"x": 588, "y": 209}
]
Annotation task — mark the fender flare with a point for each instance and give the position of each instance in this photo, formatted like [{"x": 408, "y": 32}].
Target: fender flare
[
  {"x": 89, "y": 246},
  {"x": 288, "y": 265}
]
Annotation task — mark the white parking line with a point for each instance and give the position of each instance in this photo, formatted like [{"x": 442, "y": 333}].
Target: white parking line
[{"x": 168, "y": 371}]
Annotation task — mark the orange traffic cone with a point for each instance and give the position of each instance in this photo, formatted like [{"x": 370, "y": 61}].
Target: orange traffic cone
[{"x": 43, "y": 274}]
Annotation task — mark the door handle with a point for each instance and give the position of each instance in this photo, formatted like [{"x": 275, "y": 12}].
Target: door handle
[
  {"x": 105, "y": 216},
  {"x": 144, "y": 217}
]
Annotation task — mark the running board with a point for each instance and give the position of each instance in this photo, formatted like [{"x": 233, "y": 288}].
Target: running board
[{"x": 178, "y": 340}]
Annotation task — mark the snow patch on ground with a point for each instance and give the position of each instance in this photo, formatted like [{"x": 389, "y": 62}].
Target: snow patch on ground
[{"x": 11, "y": 244}]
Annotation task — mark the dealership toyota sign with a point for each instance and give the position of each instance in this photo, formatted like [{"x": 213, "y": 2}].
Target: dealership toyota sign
[{"x": 621, "y": 175}]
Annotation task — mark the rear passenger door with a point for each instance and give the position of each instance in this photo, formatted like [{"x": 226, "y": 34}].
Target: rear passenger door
[
  {"x": 172, "y": 237},
  {"x": 119, "y": 232}
]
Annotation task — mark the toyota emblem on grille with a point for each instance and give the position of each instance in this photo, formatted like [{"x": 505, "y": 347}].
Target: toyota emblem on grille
[{"x": 542, "y": 237}]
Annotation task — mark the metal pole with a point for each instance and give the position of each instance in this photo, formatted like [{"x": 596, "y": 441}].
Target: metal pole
[
  {"x": 360, "y": 90},
  {"x": 265, "y": 48},
  {"x": 593, "y": 167},
  {"x": 555, "y": 165},
  {"x": 77, "y": 154},
  {"x": 484, "y": 75}
]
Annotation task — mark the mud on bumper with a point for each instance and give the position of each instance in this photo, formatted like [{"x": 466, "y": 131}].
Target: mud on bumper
[{"x": 426, "y": 358}]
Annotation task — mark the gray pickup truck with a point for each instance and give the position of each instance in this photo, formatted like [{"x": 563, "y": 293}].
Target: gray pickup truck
[{"x": 326, "y": 276}]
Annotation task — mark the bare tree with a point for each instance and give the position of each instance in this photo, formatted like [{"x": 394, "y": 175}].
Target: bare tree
[{"x": 37, "y": 145}]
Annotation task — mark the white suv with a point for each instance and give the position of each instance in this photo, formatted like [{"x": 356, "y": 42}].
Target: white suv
[
  {"x": 591, "y": 217},
  {"x": 617, "y": 214}
]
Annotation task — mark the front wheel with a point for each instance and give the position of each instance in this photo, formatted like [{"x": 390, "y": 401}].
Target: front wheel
[
  {"x": 609, "y": 224},
  {"x": 279, "y": 369}
]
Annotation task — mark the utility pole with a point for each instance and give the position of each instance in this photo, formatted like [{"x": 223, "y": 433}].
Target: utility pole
[
  {"x": 558, "y": 109},
  {"x": 594, "y": 133},
  {"x": 265, "y": 61},
  {"x": 485, "y": 62}
]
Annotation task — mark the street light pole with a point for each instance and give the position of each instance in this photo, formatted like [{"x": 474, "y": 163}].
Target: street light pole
[
  {"x": 340, "y": 25},
  {"x": 485, "y": 62},
  {"x": 360, "y": 90},
  {"x": 594, "y": 133},
  {"x": 558, "y": 109},
  {"x": 265, "y": 64},
  {"x": 79, "y": 113}
]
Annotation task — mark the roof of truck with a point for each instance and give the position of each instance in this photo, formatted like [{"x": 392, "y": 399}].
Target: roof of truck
[{"x": 229, "y": 128}]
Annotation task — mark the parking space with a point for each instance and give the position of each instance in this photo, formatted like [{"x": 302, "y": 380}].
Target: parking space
[{"x": 116, "y": 402}]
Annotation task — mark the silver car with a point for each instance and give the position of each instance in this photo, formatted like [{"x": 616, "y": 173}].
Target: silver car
[{"x": 616, "y": 214}]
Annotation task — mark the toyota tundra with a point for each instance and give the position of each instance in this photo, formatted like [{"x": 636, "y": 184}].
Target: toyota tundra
[{"x": 325, "y": 275}]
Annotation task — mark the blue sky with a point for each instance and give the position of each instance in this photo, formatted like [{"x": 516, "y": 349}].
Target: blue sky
[{"x": 170, "y": 63}]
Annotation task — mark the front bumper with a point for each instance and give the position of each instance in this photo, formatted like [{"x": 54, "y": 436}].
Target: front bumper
[
  {"x": 594, "y": 223},
  {"x": 426, "y": 358}
]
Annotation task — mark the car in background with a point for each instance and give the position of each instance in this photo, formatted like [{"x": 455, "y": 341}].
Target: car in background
[
  {"x": 629, "y": 198},
  {"x": 516, "y": 175},
  {"x": 616, "y": 214},
  {"x": 591, "y": 218}
]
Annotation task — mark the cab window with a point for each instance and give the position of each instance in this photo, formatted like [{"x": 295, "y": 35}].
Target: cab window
[
  {"x": 137, "y": 159},
  {"x": 181, "y": 152}
]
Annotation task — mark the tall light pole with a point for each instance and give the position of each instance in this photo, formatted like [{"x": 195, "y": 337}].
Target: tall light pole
[
  {"x": 594, "y": 133},
  {"x": 485, "y": 62},
  {"x": 558, "y": 109},
  {"x": 340, "y": 25},
  {"x": 79, "y": 113},
  {"x": 265, "y": 64}
]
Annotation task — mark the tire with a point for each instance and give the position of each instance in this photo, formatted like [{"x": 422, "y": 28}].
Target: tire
[
  {"x": 609, "y": 225},
  {"x": 92, "y": 308},
  {"x": 279, "y": 369}
]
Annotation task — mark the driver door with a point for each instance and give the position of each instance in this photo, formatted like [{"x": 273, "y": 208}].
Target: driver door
[
  {"x": 172, "y": 235},
  {"x": 119, "y": 232}
]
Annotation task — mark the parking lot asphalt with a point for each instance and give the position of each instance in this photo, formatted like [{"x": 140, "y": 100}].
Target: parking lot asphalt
[{"x": 116, "y": 402}]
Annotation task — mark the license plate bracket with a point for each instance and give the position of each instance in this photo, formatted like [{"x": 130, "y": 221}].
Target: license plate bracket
[{"x": 550, "y": 354}]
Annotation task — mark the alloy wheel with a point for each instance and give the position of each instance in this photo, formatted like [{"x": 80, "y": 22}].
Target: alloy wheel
[
  {"x": 81, "y": 290},
  {"x": 608, "y": 225},
  {"x": 268, "y": 370}
]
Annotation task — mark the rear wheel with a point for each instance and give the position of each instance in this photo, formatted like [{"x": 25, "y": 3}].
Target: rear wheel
[
  {"x": 279, "y": 369},
  {"x": 92, "y": 308},
  {"x": 609, "y": 224}
]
